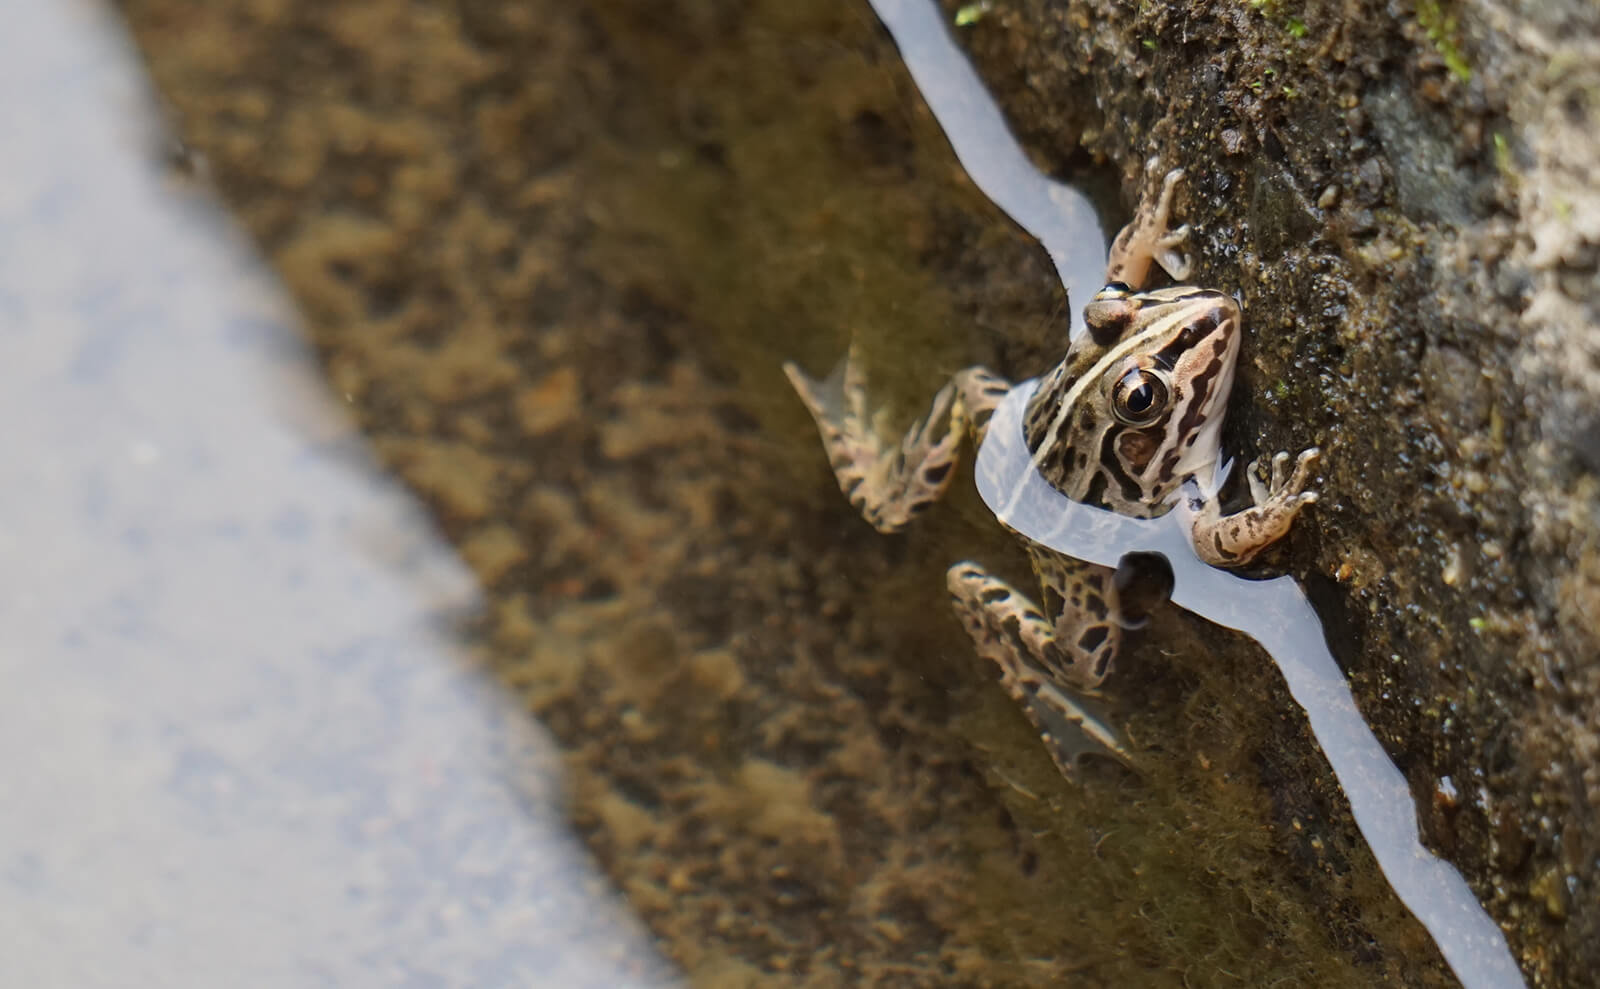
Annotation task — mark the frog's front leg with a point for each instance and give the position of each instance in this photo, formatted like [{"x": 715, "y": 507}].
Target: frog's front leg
[
  {"x": 890, "y": 482},
  {"x": 1038, "y": 664},
  {"x": 1233, "y": 540},
  {"x": 1149, "y": 238}
]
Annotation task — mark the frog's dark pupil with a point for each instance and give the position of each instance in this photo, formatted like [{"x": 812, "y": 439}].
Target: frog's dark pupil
[{"x": 1140, "y": 398}]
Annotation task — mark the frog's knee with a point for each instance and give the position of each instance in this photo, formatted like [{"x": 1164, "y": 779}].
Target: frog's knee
[{"x": 966, "y": 579}]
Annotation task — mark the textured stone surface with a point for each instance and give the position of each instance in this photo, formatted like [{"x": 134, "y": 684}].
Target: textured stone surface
[{"x": 1405, "y": 195}]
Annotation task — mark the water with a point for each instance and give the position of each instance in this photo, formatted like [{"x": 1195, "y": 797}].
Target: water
[
  {"x": 245, "y": 743},
  {"x": 552, "y": 257}
]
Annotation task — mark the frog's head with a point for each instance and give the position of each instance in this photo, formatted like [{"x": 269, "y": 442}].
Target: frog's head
[{"x": 1136, "y": 407}]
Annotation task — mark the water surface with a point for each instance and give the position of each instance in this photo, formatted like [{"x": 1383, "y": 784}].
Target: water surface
[{"x": 246, "y": 744}]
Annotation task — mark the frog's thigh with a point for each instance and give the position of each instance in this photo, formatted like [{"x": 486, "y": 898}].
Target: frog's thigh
[
  {"x": 1080, "y": 603},
  {"x": 1009, "y": 631}
]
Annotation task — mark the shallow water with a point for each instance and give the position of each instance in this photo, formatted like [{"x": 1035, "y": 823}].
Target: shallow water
[
  {"x": 551, "y": 258},
  {"x": 246, "y": 742}
]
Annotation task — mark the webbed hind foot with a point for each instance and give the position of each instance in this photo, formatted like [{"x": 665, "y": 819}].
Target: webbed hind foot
[
  {"x": 889, "y": 482},
  {"x": 1009, "y": 631}
]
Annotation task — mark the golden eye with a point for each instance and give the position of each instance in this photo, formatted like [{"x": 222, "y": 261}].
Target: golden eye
[{"x": 1140, "y": 396}]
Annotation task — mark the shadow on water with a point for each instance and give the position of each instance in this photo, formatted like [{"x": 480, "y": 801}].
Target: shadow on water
[
  {"x": 552, "y": 256},
  {"x": 244, "y": 744}
]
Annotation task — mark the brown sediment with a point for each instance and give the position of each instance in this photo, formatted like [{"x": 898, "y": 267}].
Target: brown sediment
[{"x": 554, "y": 254}]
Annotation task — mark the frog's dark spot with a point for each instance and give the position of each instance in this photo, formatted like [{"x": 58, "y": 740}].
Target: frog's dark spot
[
  {"x": 935, "y": 474},
  {"x": 1102, "y": 664},
  {"x": 1096, "y": 495},
  {"x": 994, "y": 595},
  {"x": 1092, "y": 638}
]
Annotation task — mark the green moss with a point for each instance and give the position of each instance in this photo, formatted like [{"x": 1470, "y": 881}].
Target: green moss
[
  {"x": 1443, "y": 31},
  {"x": 971, "y": 13}
]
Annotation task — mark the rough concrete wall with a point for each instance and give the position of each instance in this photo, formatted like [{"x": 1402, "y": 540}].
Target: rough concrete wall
[{"x": 1408, "y": 198}]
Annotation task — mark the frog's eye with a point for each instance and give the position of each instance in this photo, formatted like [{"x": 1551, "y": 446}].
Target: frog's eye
[
  {"x": 1113, "y": 290},
  {"x": 1140, "y": 396}
]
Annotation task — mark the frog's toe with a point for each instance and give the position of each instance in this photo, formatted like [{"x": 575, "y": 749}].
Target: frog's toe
[
  {"x": 1299, "y": 481},
  {"x": 1260, "y": 491},
  {"x": 1280, "y": 470},
  {"x": 1073, "y": 726},
  {"x": 1169, "y": 187}
]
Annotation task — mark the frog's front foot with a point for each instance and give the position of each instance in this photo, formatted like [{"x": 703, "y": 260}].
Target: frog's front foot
[
  {"x": 1232, "y": 540},
  {"x": 1284, "y": 490},
  {"x": 1166, "y": 245},
  {"x": 1150, "y": 237}
]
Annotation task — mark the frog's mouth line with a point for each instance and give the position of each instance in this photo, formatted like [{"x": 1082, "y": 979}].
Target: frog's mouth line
[{"x": 1277, "y": 615}]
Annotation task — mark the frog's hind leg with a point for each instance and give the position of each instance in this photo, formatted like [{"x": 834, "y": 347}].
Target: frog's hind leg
[
  {"x": 891, "y": 482},
  {"x": 1009, "y": 631},
  {"x": 1082, "y": 607}
]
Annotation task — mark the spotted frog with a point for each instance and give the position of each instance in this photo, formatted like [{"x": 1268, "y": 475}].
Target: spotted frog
[{"x": 1132, "y": 413}]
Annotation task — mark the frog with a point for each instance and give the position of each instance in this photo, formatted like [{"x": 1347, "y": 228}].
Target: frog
[{"x": 1129, "y": 421}]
